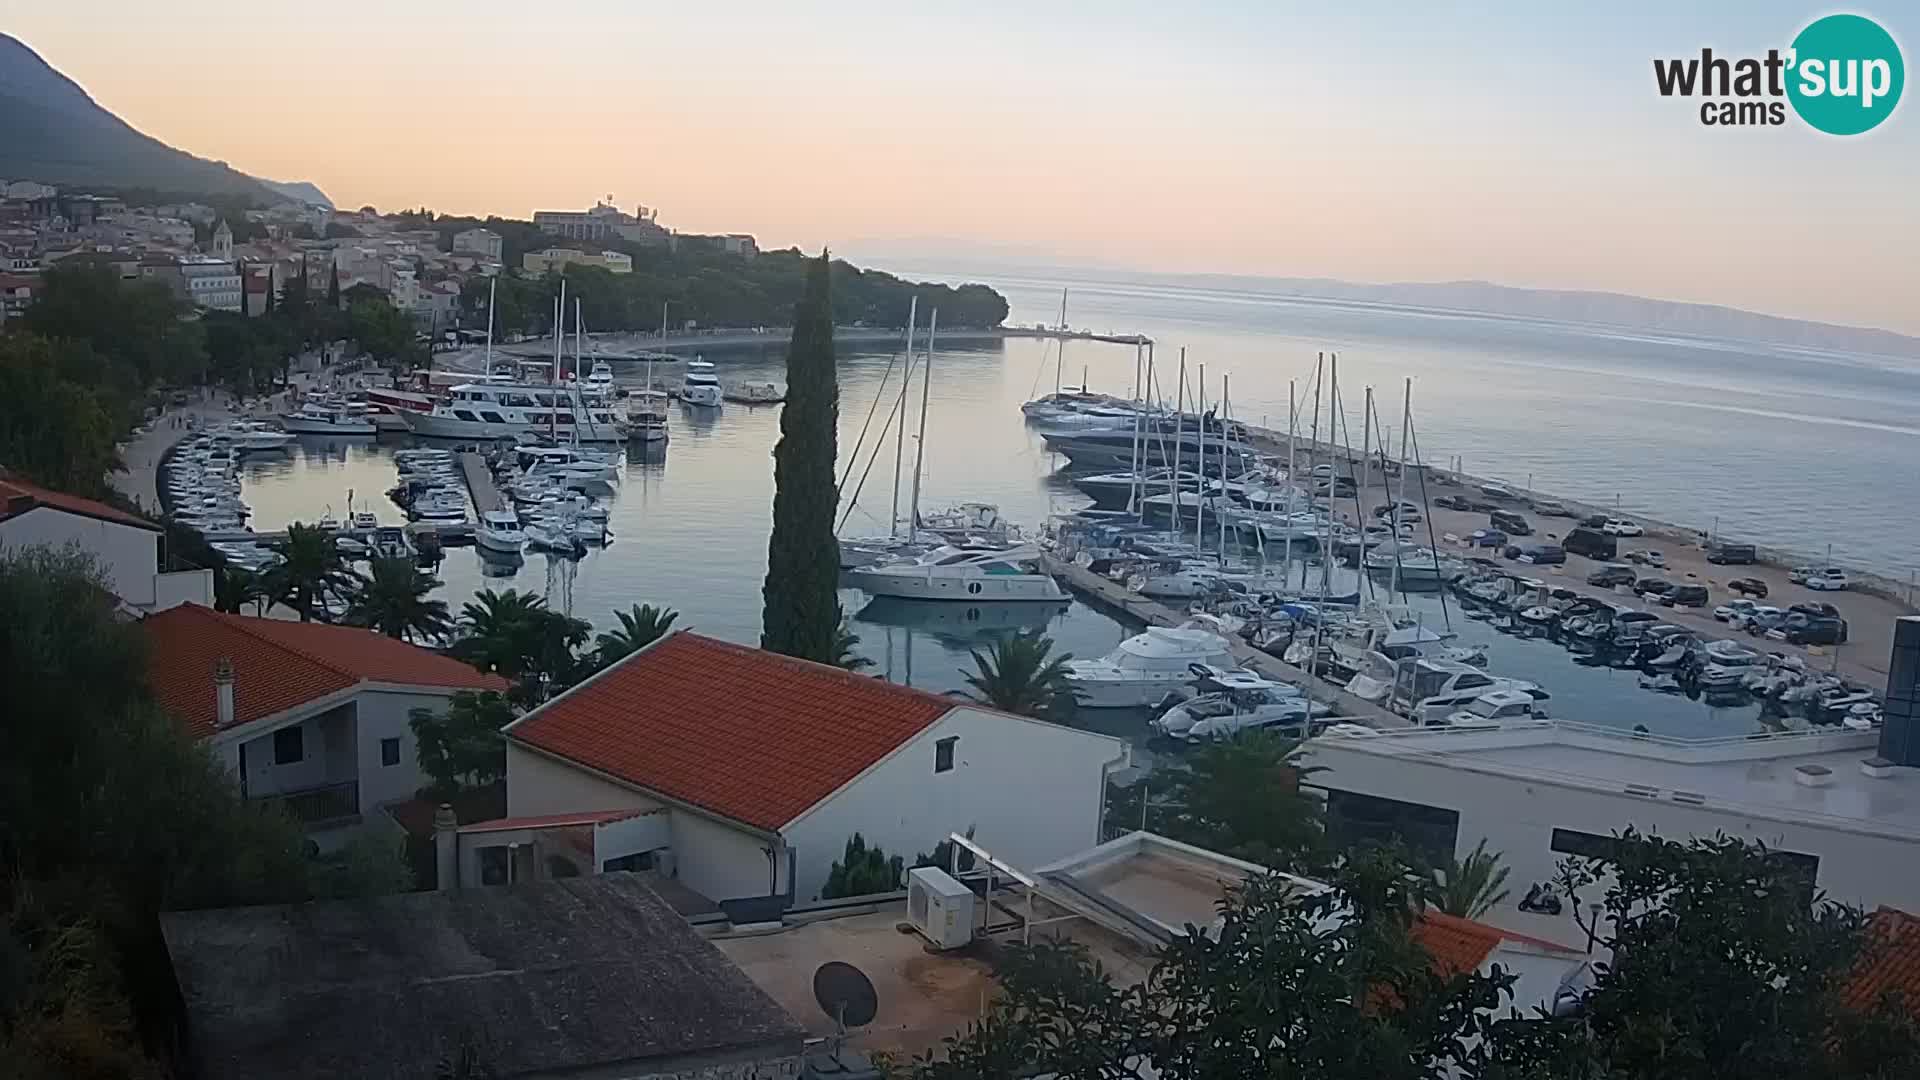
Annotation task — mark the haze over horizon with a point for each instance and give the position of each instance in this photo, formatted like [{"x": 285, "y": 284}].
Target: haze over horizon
[{"x": 1531, "y": 151}]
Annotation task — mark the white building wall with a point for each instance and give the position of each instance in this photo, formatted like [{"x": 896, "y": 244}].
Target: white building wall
[
  {"x": 266, "y": 776},
  {"x": 384, "y": 714},
  {"x": 538, "y": 784},
  {"x": 1517, "y": 817},
  {"x": 1030, "y": 791},
  {"x": 721, "y": 861},
  {"x": 128, "y": 556}
]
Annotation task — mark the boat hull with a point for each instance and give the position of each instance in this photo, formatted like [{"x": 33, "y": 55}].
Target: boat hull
[
  {"x": 297, "y": 426},
  {"x": 922, "y": 586},
  {"x": 448, "y": 427},
  {"x": 1136, "y": 693},
  {"x": 701, "y": 395}
]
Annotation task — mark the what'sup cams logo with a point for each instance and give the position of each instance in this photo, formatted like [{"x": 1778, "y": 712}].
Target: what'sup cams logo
[{"x": 1843, "y": 75}]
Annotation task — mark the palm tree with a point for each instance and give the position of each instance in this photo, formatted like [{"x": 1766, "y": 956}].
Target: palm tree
[
  {"x": 309, "y": 569},
  {"x": 515, "y": 635},
  {"x": 639, "y": 628},
  {"x": 234, "y": 587},
  {"x": 394, "y": 601},
  {"x": 1019, "y": 675},
  {"x": 845, "y": 646},
  {"x": 1469, "y": 887}
]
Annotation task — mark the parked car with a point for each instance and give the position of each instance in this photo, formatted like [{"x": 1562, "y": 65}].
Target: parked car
[
  {"x": 1804, "y": 629},
  {"x": 1513, "y": 524},
  {"x": 1488, "y": 538},
  {"x": 1731, "y": 554},
  {"x": 1747, "y": 586},
  {"x": 1685, "y": 596},
  {"x": 1734, "y": 611},
  {"x": 1799, "y": 574},
  {"x": 1622, "y": 527},
  {"x": 1540, "y": 554},
  {"x": 1453, "y": 502},
  {"x": 1594, "y": 521},
  {"x": 1648, "y": 558},
  {"x": 1652, "y": 586},
  {"x": 1763, "y": 619},
  {"x": 1551, "y": 509},
  {"x": 1614, "y": 574},
  {"x": 1818, "y": 608},
  {"x": 1592, "y": 543},
  {"x": 1830, "y": 579},
  {"x": 1338, "y": 488},
  {"x": 1409, "y": 511}
]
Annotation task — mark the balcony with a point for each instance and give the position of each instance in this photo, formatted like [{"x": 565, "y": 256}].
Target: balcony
[{"x": 328, "y": 804}]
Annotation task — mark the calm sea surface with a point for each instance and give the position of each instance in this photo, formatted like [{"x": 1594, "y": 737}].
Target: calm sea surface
[{"x": 1786, "y": 448}]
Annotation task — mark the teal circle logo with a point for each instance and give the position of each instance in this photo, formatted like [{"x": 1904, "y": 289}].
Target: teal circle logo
[{"x": 1845, "y": 74}]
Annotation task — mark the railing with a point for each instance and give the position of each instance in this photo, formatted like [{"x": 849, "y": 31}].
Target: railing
[{"x": 318, "y": 805}]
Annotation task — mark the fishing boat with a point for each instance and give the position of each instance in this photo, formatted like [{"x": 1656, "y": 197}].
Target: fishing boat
[{"x": 500, "y": 531}]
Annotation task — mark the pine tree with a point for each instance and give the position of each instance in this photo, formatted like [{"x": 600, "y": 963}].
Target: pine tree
[{"x": 802, "y": 614}]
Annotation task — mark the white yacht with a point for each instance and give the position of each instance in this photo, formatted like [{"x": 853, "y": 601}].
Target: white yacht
[
  {"x": 599, "y": 378},
  {"x": 1143, "y": 668},
  {"x": 1231, "y": 702},
  {"x": 499, "y": 530},
  {"x": 252, "y": 435},
  {"x": 493, "y": 410},
  {"x": 702, "y": 386},
  {"x": 318, "y": 418},
  {"x": 961, "y": 573},
  {"x": 647, "y": 416}
]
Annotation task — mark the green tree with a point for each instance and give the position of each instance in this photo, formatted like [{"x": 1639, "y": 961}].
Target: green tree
[
  {"x": 1469, "y": 887},
  {"x": 846, "y": 649},
  {"x": 516, "y": 636},
  {"x": 383, "y": 331},
  {"x": 1722, "y": 958},
  {"x": 395, "y": 601},
  {"x": 1020, "y": 675},
  {"x": 862, "y": 870},
  {"x": 1242, "y": 797},
  {"x": 311, "y": 569},
  {"x": 462, "y": 747},
  {"x": 639, "y": 627},
  {"x": 802, "y": 606},
  {"x": 236, "y": 587},
  {"x": 135, "y": 327},
  {"x": 54, "y": 430}
]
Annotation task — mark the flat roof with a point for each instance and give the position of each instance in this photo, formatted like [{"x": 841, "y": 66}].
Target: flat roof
[
  {"x": 548, "y": 978},
  {"x": 1753, "y": 775}
]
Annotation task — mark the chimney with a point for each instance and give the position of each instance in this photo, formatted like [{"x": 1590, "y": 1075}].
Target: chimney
[
  {"x": 223, "y": 693},
  {"x": 1900, "y": 717},
  {"x": 446, "y": 848}
]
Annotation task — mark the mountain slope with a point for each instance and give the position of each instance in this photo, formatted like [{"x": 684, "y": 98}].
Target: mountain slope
[
  {"x": 51, "y": 131},
  {"x": 305, "y": 191}
]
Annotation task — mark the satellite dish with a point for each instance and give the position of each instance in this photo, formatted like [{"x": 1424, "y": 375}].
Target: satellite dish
[{"x": 845, "y": 994}]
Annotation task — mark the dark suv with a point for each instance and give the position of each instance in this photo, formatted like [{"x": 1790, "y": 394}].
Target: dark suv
[
  {"x": 1509, "y": 522},
  {"x": 1804, "y": 629},
  {"x": 1685, "y": 596},
  {"x": 1608, "y": 576}
]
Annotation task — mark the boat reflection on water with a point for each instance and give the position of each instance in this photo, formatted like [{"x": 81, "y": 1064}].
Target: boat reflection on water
[
  {"x": 499, "y": 564},
  {"x": 960, "y": 622}
]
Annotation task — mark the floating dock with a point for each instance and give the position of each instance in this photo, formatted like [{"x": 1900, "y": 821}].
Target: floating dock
[
  {"x": 1115, "y": 599},
  {"x": 486, "y": 497}
]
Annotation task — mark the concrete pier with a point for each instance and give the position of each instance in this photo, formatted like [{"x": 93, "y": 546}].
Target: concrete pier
[
  {"x": 486, "y": 496},
  {"x": 1114, "y": 598}
]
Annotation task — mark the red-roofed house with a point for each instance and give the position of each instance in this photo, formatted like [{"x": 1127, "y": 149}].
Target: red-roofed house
[
  {"x": 125, "y": 546},
  {"x": 1890, "y": 964},
  {"x": 312, "y": 715},
  {"x": 1546, "y": 972},
  {"x": 765, "y": 765}
]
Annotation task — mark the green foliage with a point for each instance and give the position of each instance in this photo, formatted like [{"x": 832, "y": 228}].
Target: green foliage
[
  {"x": 311, "y": 569},
  {"x": 236, "y": 587},
  {"x": 516, "y": 636},
  {"x": 862, "y": 870},
  {"x": 54, "y": 429},
  {"x": 801, "y": 615},
  {"x": 134, "y": 327},
  {"x": 1242, "y": 797},
  {"x": 245, "y": 354},
  {"x": 462, "y": 747},
  {"x": 394, "y": 600},
  {"x": 383, "y": 331},
  {"x": 640, "y": 627},
  {"x": 371, "y": 863},
  {"x": 846, "y": 649},
  {"x": 1020, "y": 675},
  {"x": 1722, "y": 958},
  {"x": 1468, "y": 887}
]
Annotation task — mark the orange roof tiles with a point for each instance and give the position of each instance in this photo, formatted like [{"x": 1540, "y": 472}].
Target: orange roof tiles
[
  {"x": 1460, "y": 945},
  {"x": 1889, "y": 964},
  {"x": 549, "y": 821},
  {"x": 278, "y": 664},
  {"x": 18, "y": 496},
  {"x": 750, "y": 735}
]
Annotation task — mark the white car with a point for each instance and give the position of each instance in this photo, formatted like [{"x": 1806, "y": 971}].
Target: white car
[
  {"x": 1622, "y": 527},
  {"x": 1799, "y": 574},
  {"x": 1735, "y": 611},
  {"x": 1832, "y": 578}
]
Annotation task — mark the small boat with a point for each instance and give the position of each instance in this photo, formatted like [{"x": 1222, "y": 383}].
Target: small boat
[
  {"x": 965, "y": 572},
  {"x": 754, "y": 393},
  {"x": 390, "y": 542},
  {"x": 315, "y": 418},
  {"x": 364, "y": 521},
  {"x": 500, "y": 531},
  {"x": 350, "y": 547},
  {"x": 599, "y": 379},
  {"x": 1661, "y": 683},
  {"x": 1230, "y": 702},
  {"x": 1141, "y": 670}
]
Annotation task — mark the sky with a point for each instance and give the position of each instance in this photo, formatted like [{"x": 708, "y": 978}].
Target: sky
[{"x": 1518, "y": 143}]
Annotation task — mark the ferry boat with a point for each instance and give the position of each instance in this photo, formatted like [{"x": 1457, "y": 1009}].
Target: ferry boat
[
  {"x": 494, "y": 410},
  {"x": 702, "y": 387},
  {"x": 385, "y": 406}
]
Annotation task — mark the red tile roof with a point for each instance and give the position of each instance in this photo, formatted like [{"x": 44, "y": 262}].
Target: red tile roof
[
  {"x": 18, "y": 496},
  {"x": 551, "y": 821},
  {"x": 1889, "y": 964},
  {"x": 1460, "y": 945},
  {"x": 752, "y": 736},
  {"x": 278, "y": 664}
]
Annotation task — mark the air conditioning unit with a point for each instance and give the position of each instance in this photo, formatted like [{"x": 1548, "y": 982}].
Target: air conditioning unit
[{"x": 939, "y": 907}]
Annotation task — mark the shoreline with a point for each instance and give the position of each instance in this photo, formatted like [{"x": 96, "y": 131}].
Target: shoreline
[{"x": 640, "y": 341}]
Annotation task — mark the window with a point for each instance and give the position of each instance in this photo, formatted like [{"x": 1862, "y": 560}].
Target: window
[
  {"x": 463, "y": 414},
  {"x": 289, "y": 746},
  {"x": 640, "y": 861},
  {"x": 943, "y": 754},
  {"x": 1427, "y": 831},
  {"x": 496, "y": 865},
  {"x": 491, "y": 417},
  {"x": 390, "y": 751}
]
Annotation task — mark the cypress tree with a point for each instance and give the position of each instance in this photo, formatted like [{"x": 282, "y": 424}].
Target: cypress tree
[
  {"x": 333, "y": 287},
  {"x": 802, "y": 613}
]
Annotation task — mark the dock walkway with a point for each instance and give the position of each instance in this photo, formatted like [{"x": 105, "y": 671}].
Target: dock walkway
[
  {"x": 486, "y": 497},
  {"x": 1115, "y": 599}
]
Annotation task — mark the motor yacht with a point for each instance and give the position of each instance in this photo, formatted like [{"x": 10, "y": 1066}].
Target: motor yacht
[
  {"x": 1230, "y": 702},
  {"x": 1141, "y": 669},
  {"x": 317, "y": 418},
  {"x": 966, "y": 572},
  {"x": 702, "y": 386},
  {"x": 500, "y": 531},
  {"x": 494, "y": 410}
]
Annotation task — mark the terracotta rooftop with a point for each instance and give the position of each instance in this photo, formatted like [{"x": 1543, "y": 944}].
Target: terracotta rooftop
[
  {"x": 1460, "y": 945},
  {"x": 18, "y": 496},
  {"x": 553, "y": 821},
  {"x": 750, "y": 735},
  {"x": 278, "y": 665},
  {"x": 1890, "y": 964}
]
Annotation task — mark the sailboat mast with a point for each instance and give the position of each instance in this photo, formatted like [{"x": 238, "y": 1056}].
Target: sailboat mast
[
  {"x": 1220, "y": 507},
  {"x": 926, "y": 388},
  {"x": 1200, "y": 457},
  {"x": 1293, "y": 480},
  {"x": 900, "y": 433},
  {"x": 1136, "y": 501},
  {"x": 1060, "y": 354},
  {"x": 492, "y": 283},
  {"x": 1179, "y": 432},
  {"x": 1313, "y": 447}
]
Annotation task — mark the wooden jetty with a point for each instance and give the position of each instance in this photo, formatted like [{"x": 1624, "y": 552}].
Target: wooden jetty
[
  {"x": 1115, "y": 599},
  {"x": 486, "y": 496}
]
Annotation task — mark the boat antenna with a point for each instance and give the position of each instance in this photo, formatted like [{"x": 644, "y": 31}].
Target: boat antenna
[
  {"x": 920, "y": 448},
  {"x": 900, "y": 434}
]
